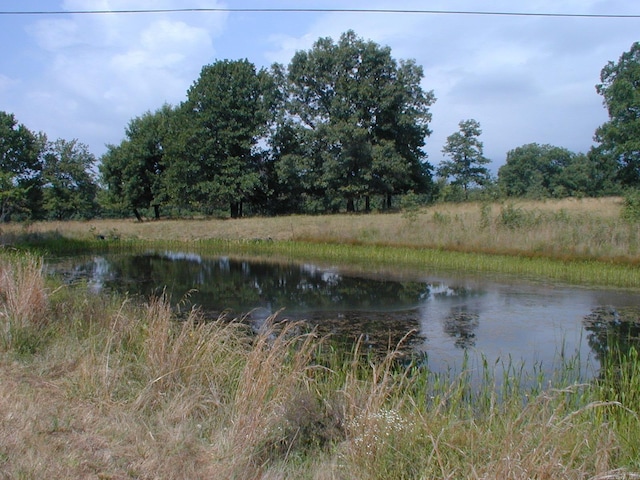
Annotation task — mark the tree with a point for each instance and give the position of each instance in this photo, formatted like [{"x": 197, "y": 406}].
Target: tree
[
  {"x": 359, "y": 119},
  {"x": 466, "y": 166},
  {"x": 215, "y": 157},
  {"x": 133, "y": 172},
  {"x": 619, "y": 138},
  {"x": 20, "y": 168},
  {"x": 69, "y": 190},
  {"x": 547, "y": 171}
]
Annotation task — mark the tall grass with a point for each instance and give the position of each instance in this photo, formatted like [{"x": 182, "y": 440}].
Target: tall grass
[
  {"x": 122, "y": 389},
  {"x": 566, "y": 229},
  {"x": 577, "y": 241},
  {"x": 23, "y": 302}
]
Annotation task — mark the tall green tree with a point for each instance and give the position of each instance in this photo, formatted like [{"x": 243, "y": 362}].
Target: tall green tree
[
  {"x": 359, "y": 118},
  {"x": 133, "y": 172},
  {"x": 216, "y": 157},
  {"x": 619, "y": 138},
  {"x": 466, "y": 166},
  {"x": 20, "y": 169},
  {"x": 69, "y": 189}
]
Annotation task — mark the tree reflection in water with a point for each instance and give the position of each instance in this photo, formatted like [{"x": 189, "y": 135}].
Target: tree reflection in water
[
  {"x": 461, "y": 325},
  {"x": 613, "y": 330},
  {"x": 441, "y": 318}
]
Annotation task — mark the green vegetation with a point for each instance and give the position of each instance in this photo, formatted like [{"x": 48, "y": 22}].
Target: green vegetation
[
  {"x": 103, "y": 386},
  {"x": 467, "y": 164},
  {"x": 41, "y": 179},
  {"x": 342, "y": 127},
  {"x": 588, "y": 241},
  {"x": 545, "y": 171},
  {"x": 618, "y": 146}
]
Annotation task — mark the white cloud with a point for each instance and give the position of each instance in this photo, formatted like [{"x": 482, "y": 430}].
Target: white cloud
[
  {"x": 524, "y": 78},
  {"x": 117, "y": 66}
]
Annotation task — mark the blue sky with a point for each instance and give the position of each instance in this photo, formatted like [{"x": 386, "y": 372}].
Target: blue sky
[{"x": 525, "y": 79}]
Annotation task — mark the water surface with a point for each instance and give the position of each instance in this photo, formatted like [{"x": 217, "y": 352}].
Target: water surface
[{"x": 501, "y": 320}]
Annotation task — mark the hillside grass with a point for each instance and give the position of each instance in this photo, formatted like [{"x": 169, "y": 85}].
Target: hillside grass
[{"x": 103, "y": 387}]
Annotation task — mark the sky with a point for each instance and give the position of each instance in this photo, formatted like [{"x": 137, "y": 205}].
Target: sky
[{"x": 526, "y": 79}]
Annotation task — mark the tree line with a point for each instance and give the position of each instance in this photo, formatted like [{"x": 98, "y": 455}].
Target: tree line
[{"x": 340, "y": 128}]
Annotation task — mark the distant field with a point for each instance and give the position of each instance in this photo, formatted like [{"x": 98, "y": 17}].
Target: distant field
[{"x": 566, "y": 229}]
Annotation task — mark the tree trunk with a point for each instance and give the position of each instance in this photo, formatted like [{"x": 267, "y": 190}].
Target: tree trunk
[
  {"x": 367, "y": 204},
  {"x": 137, "y": 214},
  {"x": 389, "y": 204},
  {"x": 156, "y": 212},
  {"x": 236, "y": 209},
  {"x": 350, "y": 205}
]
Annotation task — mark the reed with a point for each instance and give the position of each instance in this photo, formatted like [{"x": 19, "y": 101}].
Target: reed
[{"x": 123, "y": 389}]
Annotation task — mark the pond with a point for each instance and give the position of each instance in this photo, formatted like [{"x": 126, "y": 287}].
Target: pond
[{"x": 506, "y": 322}]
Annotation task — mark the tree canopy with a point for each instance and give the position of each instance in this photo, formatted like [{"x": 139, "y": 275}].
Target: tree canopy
[
  {"x": 69, "y": 189},
  {"x": 216, "y": 156},
  {"x": 466, "y": 166},
  {"x": 132, "y": 172},
  {"x": 619, "y": 138},
  {"x": 341, "y": 127},
  {"x": 355, "y": 122},
  {"x": 20, "y": 168}
]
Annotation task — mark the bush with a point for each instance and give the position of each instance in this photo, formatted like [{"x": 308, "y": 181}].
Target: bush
[
  {"x": 513, "y": 217},
  {"x": 631, "y": 206}
]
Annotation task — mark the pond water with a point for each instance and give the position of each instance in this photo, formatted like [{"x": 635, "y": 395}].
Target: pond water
[{"x": 531, "y": 324}]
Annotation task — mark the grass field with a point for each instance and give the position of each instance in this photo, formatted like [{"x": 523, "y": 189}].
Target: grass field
[
  {"x": 582, "y": 241},
  {"x": 569, "y": 228},
  {"x": 103, "y": 387}
]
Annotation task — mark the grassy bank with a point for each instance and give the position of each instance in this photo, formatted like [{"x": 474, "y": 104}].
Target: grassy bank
[
  {"x": 101, "y": 387},
  {"x": 567, "y": 229},
  {"x": 575, "y": 241}
]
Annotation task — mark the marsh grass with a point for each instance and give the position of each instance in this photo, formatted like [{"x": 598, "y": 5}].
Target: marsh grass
[{"x": 123, "y": 389}]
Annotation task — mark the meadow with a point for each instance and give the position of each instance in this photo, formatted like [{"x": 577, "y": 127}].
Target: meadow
[
  {"x": 570, "y": 228},
  {"x": 101, "y": 386}
]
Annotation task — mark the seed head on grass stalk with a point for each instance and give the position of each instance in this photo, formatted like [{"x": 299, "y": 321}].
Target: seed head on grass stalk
[
  {"x": 191, "y": 355},
  {"x": 274, "y": 377}
]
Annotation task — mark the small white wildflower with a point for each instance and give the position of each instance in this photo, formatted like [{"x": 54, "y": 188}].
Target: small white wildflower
[{"x": 376, "y": 428}]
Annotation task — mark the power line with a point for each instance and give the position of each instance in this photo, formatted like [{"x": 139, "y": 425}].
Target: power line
[{"x": 322, "y": 10}]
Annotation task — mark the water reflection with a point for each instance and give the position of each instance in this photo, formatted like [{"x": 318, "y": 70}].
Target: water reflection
[
  {"x": 609, "y": 327},
  {"x": 538, "y": 324}
]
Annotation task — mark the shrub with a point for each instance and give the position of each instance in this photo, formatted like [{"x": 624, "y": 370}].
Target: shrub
[
  {"x": 513, "y": 217},
  {"x": 631, "y": 206}
]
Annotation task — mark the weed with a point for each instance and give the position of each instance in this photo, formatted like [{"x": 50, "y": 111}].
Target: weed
[
  {"x": 441, "y": 218},
  {"x": 23, "y": 303},
  {"x": 485, "y": 215},
  {"x": 410, "y": 205}
]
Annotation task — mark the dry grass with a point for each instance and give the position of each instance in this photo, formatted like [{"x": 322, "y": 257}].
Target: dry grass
[
  {"x": 568, "y": 228},
  {"x": 121, "y": 390}
]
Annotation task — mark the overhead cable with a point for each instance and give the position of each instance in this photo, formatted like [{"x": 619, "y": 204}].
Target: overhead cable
[{"x": 322, "y": 10}]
